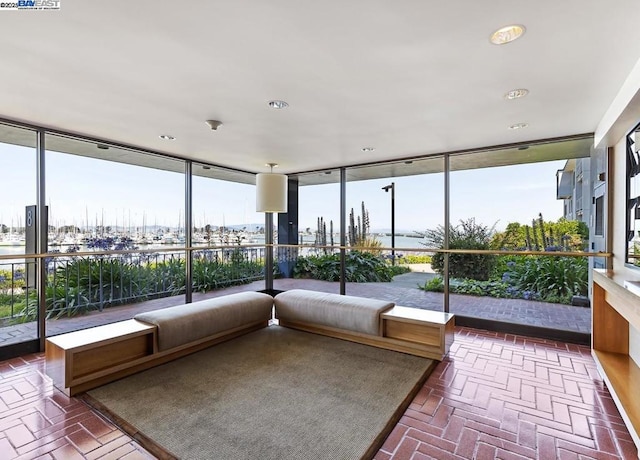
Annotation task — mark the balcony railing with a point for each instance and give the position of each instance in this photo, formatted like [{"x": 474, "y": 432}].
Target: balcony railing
[{"x": 83, "y": 282}]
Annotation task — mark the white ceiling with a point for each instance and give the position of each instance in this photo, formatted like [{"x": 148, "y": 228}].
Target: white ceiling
[{"x": 408, "y": 77}]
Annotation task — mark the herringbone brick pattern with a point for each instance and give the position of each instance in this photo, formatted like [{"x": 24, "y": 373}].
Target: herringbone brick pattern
[
  {"x": 495, "y": 396},
  {"x": 511, "y": 397},
  {"x": 39, "y": 422}
]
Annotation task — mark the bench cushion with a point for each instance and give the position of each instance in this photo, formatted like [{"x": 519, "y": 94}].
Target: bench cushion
[
  {"x": 186, "y": 323},
  {"x": 356, "y": 314}
]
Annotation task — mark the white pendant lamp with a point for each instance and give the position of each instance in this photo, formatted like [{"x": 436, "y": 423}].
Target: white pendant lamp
[{"x": 271, "y": 191}]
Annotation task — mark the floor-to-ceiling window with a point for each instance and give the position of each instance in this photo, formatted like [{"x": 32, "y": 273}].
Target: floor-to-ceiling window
[
  {"x": 521, "y": 201},
  {"x": 102, "y": 198},
  {"x": 18, "y": 299},
  {"x": 518, "y": 226},
  {"x": 228, "y": 228},
  {"x": 316, "y": 264},
  {"x": 390, "y": 207}
]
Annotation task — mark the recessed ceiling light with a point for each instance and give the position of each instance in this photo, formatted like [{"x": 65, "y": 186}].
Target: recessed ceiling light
[
  {"x": 167, "y": 137},
  {"x": 516, "y": 93},
  {"x": 519, "y": 126},
  {"x": 206, "y": 167},
  {"x": 408, "y": 162},
  {"x": 507, "y": 34},
  {"x": 278, "y": 104},
  {"x": 368, "y": 149},
  {"x": 102, "y": 147}
]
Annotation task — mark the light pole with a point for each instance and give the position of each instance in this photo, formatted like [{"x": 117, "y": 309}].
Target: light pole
[{"x": 386, "y": 188}]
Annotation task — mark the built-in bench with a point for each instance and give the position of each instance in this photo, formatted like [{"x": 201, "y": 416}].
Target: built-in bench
[
  {"x": 331, "y": 311},
  {"x": 81, "y": 360},
  {"x": 372, "y": 322},
  {"x": 187, "y": 325}
]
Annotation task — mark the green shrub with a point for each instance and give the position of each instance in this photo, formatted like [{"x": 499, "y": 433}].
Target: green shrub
[
  {"x": 435, "y": 284},
  {"x": 503, "y": 265},
  {"x": 87, "y": 284},
  {"x": 212, "y": 274},
  {"x": 555, "y": 278},
  {"x": 12, "y": 280},
  {"x": 398, "y": 270},
  {"x": 496, "y": 289},
  {"x": 360, "y": 267},
  {"x": 415, "y": 259},
  {"x": 466, "y": 235}
]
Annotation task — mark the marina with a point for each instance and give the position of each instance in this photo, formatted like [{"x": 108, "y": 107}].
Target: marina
[{"x": 15, "y": 244}]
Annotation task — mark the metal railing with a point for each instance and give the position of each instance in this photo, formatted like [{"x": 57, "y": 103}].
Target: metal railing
[
  {"x": 91, "y": 281},
  {"x": 551, "y": 276},
  {"x": 15, "y": 291}
]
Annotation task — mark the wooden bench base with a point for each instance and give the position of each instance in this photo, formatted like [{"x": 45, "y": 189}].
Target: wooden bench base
[
  {"x": 414, "y": 331},
  {"x": 81, "y": 360}
]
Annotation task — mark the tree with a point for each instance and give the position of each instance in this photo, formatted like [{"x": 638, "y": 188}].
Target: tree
[
  {"x": 567, "y": 235},
  {"x": 514, "y": 237}
]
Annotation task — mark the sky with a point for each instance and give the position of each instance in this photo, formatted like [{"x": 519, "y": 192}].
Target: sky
[
  {"x": 493, "y": 196},
  {"x": 82, "y": 189}
]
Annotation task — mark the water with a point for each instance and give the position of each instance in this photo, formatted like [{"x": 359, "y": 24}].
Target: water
[
  {"x": 10, "y": 251},
  {"x": 401, "y": 242}
]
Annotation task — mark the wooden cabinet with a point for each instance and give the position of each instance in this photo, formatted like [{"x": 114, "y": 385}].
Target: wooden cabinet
[
  {"x": 616, "y": 307},
  {"x": 81, "y": 359},
  {"x": 431, "y": 331}
]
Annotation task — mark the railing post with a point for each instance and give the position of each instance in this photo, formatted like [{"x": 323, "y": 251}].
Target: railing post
[{"x": 100, "y": 288}]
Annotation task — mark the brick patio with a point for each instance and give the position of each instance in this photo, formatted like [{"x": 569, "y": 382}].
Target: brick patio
[{"x": 402, "y": 290}]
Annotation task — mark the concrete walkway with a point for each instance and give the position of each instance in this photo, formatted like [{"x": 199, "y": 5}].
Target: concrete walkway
[{"x": 403, "y": 290}]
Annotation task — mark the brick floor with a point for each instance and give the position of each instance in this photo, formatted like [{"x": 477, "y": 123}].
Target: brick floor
[
  {"x": 38, "y": 421},
  {"x": 511, "y": 397},
  {"x": 495, "y": 396}
]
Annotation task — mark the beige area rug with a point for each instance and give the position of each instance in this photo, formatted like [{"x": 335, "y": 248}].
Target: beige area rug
[{"x": 275, "y": 393}]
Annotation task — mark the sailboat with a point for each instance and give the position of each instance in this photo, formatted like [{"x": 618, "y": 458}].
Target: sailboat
[{"x": 12, "y": 239}]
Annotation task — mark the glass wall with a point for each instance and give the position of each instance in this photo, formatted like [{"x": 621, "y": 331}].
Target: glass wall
[
  {"x": 518, "y": 222},
  {"x": 390, "y": 208},
  {"x": 497, "y": 205},
  {"x": 116, "y": 233},
  {"x": 103, "y": 198},
  {"x": 231, "y": 232},
  {"x": 317, "y": 263},
  {"x": 18, "y": 297}
]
